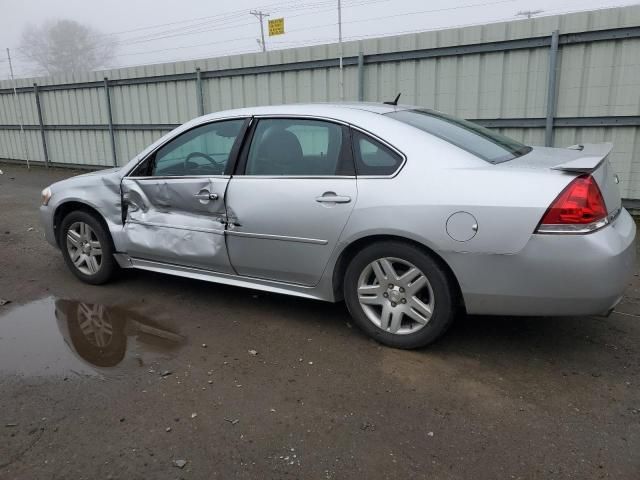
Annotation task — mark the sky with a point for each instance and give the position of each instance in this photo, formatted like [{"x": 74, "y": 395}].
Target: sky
[{"x": 157, "y": 31}]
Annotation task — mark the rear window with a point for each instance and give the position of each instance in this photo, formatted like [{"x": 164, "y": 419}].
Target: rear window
[{"x": 480, "y": 141}]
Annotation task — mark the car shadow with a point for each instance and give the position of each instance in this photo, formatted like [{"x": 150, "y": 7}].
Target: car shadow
[
  {"x": 571, "y": 345},
  {"x": 515, "y": 338}
]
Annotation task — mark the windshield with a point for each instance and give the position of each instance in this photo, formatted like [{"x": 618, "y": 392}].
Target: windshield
[{"x": 482, "y": 142}]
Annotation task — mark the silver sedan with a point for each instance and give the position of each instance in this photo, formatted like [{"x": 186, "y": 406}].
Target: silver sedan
[{"x": 409, "y": 215}]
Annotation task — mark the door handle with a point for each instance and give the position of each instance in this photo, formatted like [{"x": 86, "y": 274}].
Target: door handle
[
  {"x": 206, "y": 196},
  {"x": 333, "y": 199}
]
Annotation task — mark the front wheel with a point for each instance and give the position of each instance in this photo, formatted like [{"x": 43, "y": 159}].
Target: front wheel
[
  {"x": 399, "y": 295},
  {"x": 87, "y": 248}
]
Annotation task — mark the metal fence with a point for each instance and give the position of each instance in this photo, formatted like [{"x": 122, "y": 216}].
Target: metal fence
[{"x": 556, "y": 80}]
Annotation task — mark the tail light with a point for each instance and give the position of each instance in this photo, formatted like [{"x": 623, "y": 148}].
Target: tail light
[{"x": 579, "y": 208}]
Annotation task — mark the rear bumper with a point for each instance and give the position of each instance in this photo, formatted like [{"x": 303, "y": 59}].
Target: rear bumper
[{"x": 553, "y": 274}]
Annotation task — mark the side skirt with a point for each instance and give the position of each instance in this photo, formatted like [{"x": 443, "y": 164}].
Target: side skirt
[{"x": 125, "y": 261}]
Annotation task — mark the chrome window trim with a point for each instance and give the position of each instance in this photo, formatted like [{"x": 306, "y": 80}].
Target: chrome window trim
[
  {"x": 347, "y": 124},
  {"x": 178, "y": 177},
  {"x": 303, "y": 116},
  {"x": 127, "y": 175},
  {"x": 265, "y": 116}
]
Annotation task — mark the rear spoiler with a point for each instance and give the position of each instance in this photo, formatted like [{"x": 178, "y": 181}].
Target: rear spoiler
[{"x": 593, "y": 155}]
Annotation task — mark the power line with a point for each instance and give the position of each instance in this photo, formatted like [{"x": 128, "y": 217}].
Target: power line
[
  {"x": 319, "y": 26},
  {"x": 221, "y": 18},
  {"x": 358, "y": 3},
  {"x": 350, "y": 38},
  {"x": 233, "y": 12},
  {"x": 316, "y": 7},
  {"x": 292, "y": 43},
  {"x": 224, "y": 17},
  {"x": 212, "y": 25},
  {"x": 186, "y": 30},
  {"x": 206, "y": 27},
  {"x": 419, "y": 12},
  {"x": 227, "y": 24}
]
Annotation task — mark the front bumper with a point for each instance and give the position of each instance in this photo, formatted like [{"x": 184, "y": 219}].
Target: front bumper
[
  {"x": 46, "y": 219},
  {"x": 553, "y": 274}
]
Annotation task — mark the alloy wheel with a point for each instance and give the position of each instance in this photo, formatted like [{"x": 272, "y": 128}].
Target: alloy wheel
[
  {"x": 395, "y": 295},
  {"x": 84, "y": 248}
]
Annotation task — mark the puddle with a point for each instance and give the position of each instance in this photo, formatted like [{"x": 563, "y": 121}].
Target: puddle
[{"x": 55, "y": 337}]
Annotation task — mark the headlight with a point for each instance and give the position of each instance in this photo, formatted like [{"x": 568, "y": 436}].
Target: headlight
[{"x": 46, "y": 196}]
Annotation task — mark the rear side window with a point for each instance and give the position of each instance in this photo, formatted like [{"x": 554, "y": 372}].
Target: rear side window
[
  {"x": 482, "y": 142},
  {"x": 372, "y": 157},
  {"x": 298, "y": 147}
]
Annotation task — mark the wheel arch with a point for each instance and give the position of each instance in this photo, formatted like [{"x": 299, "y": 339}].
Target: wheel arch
[
  {"x": 351, "y": 249},
  {"x": 67, "y": 207}
]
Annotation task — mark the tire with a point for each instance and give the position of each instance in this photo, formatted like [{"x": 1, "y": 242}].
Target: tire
[
  {"x": 105, "y": 265},
  {"x": 414, "y": 313}
]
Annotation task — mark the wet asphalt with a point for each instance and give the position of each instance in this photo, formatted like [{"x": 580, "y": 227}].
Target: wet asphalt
[{"x": 154, "y": 377}]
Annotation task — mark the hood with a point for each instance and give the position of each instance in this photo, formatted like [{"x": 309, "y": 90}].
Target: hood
[
  {"x": 106, "y": 171},
  {"x": 110, "y": 177}
]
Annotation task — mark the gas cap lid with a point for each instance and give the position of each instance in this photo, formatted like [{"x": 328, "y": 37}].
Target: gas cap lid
[{"x": 462, "y": 226}]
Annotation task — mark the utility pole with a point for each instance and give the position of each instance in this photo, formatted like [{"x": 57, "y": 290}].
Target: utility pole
[
  {"x": 260, "y": 15},
  {"x": 340, "y": 49},
  {"x": 18, "y": 110}
]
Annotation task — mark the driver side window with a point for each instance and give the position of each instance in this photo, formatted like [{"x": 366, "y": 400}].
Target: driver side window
[{"x": 204, "y": 150}]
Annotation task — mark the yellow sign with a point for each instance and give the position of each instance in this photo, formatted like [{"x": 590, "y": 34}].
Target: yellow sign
[{"x": 276, "y": 27}]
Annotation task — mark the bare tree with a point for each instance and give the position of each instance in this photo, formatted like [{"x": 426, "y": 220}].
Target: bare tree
[{"x": 66, "y": 46}]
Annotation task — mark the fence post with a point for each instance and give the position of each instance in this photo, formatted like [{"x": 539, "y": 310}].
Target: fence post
[
  {"x": 360, "y": 77},
  {"x": 41, "y": 122},
  {"x": 199, "y": 96},
  {"x": 551, "y": 89},
  {"x": 110, "y": 118}
]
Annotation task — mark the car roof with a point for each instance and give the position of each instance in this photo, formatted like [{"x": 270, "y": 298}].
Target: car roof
[
  {"x": 356, "y": 112},
  {"x": 338, "y": 110}
]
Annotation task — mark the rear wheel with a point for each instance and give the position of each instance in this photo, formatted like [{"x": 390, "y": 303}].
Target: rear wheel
[
  {"x": 399, "y": 295},
  {"x": 87, "y": 248}
]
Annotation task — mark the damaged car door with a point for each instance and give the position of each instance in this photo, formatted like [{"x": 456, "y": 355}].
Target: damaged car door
[{"x": 173, "y": 202}]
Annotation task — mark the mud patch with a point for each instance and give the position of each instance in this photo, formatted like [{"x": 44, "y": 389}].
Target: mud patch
[{"x": 56, "y": 337}]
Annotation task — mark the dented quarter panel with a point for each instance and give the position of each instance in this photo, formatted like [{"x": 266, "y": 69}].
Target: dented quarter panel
[{"x": 99, "y": 190}]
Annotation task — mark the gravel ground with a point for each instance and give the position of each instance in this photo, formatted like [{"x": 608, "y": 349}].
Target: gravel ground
[{"x": 194, "y": 380}]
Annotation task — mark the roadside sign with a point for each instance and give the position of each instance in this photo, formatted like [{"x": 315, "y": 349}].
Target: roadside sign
[{"x": 276, "y": 27}]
